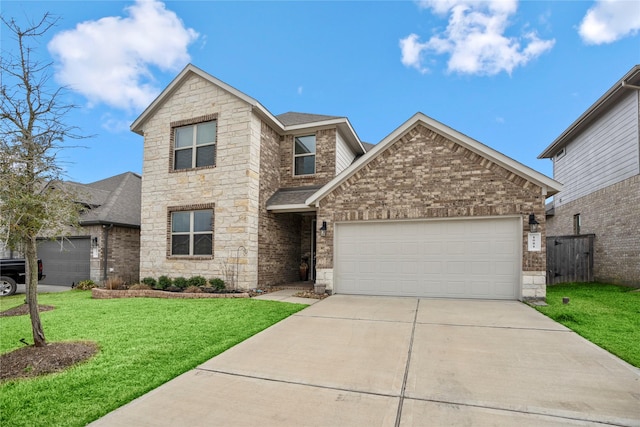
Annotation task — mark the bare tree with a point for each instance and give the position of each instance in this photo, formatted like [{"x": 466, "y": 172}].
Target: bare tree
[{"x": 32, "y": 130}]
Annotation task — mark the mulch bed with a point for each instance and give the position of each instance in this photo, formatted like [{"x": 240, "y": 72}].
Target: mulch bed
[
  {"x": 24, "y": 309},
  {"x": 31, "y": 361}
]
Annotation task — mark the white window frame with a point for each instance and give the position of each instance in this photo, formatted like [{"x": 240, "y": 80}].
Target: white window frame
[
  {"x": 296, "y": 156},
  {"x": 194, "y": 146}
]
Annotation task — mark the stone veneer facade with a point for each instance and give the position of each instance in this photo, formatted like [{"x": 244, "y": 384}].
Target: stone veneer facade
[
  {"x": 425, "y": 175},
  {"x": 610, "y": 214},
  {"x": 231, "y": 186}
]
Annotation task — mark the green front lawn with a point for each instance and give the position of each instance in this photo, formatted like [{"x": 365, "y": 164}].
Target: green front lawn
[
  {"x": 607, "y": 315},
  {"x": 143, "y": 342}
]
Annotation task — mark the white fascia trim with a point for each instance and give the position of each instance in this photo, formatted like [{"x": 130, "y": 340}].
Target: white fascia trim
[
  {"x": 290, "y": 208},
  {"x": 549, "y": 185},
  {"x": 136, "y": 126}
]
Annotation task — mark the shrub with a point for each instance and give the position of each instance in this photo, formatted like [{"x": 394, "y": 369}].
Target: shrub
[
  {"x": 149, "y": 281},
  {"x": 180, "y": 282},
  {"x": 197, "y": 281},
  {"x": 140, "y": 286},
  {"x": 217, "y": 283},
  {"x": 115, "y": 283},
  {"x": 193, "y": 289},
  {"x": 85, "y": 285},
  {"x": 164, "y": 282}
]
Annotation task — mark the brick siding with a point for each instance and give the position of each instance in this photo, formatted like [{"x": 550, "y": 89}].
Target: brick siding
[
  {"x": 325, "y": 161},
  {"x": 278, "y": 234},
  {"x": 611, "y": 214},
  {"x": 425, "y": 175}
]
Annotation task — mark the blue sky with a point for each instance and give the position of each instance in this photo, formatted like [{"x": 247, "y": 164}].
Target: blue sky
[{"x": 510, "y": 74}]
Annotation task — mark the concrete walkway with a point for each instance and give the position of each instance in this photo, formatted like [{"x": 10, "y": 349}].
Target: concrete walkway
[
  {"x": 378, "y": 361},
  {"x": 287, "y": 295}
]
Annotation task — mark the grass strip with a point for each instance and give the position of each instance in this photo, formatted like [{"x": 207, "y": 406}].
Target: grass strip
[
  {"x": 607, "y": 315},
  {"x": 143, "y": 342}
]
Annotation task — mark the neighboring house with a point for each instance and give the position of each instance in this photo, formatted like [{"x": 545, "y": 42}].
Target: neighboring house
[
  {"x": 107, "y": 243},
  {"x": 229, "y": 187},
  {"x": 597, "y": 159}
]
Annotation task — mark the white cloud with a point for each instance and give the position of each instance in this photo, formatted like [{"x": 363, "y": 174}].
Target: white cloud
[
  {"x": 610, "y": 20},
  {"x": 475, "y": 38},
  {"x": 109, "y": 60}
]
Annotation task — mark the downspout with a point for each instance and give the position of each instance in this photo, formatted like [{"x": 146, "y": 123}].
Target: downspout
[{"x": 106, "y": 250}]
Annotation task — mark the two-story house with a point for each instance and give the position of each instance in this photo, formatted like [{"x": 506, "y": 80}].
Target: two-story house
[
  {"x": 597, "y": 159},
  {"x": 233, "y": 191}
]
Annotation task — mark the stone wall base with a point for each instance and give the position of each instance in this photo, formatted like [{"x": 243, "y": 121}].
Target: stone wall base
[
  {"x": 98, "y": 293},
  {"x": 324, "y": 277},
  {"x": 534, "y": 285}
]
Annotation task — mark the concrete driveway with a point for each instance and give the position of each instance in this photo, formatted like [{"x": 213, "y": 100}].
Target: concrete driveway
[
  {"x": 22, "y": 288},
  {"x": 378, "y": 361}
]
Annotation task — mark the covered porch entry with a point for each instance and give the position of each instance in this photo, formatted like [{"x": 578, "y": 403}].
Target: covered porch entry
[{"x": 287, "y": 246}]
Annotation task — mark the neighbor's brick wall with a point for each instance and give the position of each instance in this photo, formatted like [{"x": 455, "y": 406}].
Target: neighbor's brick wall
[
  {"x": 232, "y": 185},
  {"x": 612, "y": 215},
  {"x": 325, "y": 161},
  {"x": 278, "y": 234},
  {"x": 123, "y": 254},
  {"x": 425, "y": 175}
]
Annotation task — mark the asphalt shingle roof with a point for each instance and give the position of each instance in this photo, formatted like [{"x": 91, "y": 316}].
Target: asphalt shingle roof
[
  {"x": 293, "y": 118},
  {"x": 291, "y": 196},
  {"x": 114, "y": 200}
]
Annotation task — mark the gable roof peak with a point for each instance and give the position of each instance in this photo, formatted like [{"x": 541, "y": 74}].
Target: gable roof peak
[
  {"x": 137, "y": 125},
  {"x": 548, "y": 185}
]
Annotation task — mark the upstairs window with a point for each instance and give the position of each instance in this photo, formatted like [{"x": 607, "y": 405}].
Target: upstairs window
[
  {"x": 304, "y": 156},
  {"x": 195, "y": 146},
  {"x": 192, "y": 233}
]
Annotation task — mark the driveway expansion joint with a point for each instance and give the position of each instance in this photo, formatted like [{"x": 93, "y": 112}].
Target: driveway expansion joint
[
  {"x": 275, "y": 380},
  {"x": 516, "y": 328},
  {"x": 406, "y": 369},
  {"x": 300, "y": 314}
]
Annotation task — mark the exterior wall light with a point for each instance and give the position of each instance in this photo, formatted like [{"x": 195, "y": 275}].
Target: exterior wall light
[
  {"x": 323, "y": 229},
  {"x": 533, "y": 224}
]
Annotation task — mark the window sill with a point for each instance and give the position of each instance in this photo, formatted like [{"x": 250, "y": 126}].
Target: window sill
[
  {"x": 190, "y": 257},
  {"x": 192, "y": 169}
]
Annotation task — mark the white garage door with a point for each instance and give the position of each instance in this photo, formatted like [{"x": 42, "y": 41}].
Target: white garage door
[{"x": 470, "y": 258}]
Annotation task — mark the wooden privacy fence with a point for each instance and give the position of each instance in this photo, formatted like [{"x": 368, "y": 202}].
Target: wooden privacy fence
[{"x": 570, "y": 258}]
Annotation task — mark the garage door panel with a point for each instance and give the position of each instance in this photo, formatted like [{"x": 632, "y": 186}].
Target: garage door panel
[
  {"x": 480, "y": 288},
  {"x": 480, "y": 268},
  {"x": 65, "y": 261},
  {"x": 471, "y": 258}
]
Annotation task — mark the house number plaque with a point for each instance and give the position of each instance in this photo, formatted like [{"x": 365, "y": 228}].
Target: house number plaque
[{"x": 535, "y": 242}]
